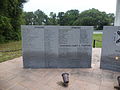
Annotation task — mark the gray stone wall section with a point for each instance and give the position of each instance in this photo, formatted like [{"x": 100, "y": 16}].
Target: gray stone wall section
[
  {"x": 110, "y": 57},
  {"x": 33, "y": 46},
  {"x": 57, "y": 46}
]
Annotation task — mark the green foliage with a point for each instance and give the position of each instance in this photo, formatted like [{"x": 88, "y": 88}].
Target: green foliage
[
  {"x": 35, "y": 18},
  {"x": 52, "y": 20},
  {"x": 60, "y": 18},
  {"x": 10, "y": 19},
  {"x": 5, "y": 29},
  {"x": 70, "y": 16},
  {"x": 92, "y": 17},
  {"x": 40, "y": 17},
  {"x": 29, "y": 18}
]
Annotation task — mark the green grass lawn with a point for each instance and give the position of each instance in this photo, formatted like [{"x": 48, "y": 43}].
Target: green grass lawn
[
  {"x": 99, "y": 38},
  {"x": 10, "y": 46},
  {"x": 17, "y": 45}
]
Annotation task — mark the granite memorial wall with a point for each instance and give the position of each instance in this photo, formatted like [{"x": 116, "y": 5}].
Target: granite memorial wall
[
  {"x": 110, "y": 56},
  {"x": 57, "y": 46}
]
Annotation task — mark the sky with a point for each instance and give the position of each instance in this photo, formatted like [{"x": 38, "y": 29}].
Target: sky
[{"x": 56, "y": 6}]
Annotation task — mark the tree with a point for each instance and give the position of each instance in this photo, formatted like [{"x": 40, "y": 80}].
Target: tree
[
  {"x": 36, "y": 18},
  {"x": 40, "y": 17},
  {"x": 29, "y": 18},
  {"x": 60, "y": 18},
  {"x": 10, "y": 19},
  {"x": 111, "y": 18},
  {"x": 6, "y": 29},
  {"x": 15, "y": 13},
  {"x": 71, "y": 16},
  {"x": 93, "y": 17},
  {"x": 53, "y": 19}
]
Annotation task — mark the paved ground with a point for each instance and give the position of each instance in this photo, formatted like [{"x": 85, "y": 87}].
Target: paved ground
[{"x": 14, "y": 77}]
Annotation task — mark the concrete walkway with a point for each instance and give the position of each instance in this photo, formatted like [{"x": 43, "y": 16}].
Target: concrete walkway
[{"x": 14, "y": 77}]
